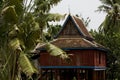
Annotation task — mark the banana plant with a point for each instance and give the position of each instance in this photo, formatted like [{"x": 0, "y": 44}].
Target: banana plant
[
  {"x": 20, "y": 31},
  {"x": 55, "y": 51}
]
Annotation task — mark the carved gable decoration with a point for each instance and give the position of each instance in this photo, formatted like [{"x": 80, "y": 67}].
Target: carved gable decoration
[
  {"x": 73, "y": 28},
  {"x": 69, "y": 29}
]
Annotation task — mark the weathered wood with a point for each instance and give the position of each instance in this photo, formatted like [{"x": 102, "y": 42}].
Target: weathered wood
[
  {"x": 88, "y": 60},
  {"x": 78, "y": 58}
]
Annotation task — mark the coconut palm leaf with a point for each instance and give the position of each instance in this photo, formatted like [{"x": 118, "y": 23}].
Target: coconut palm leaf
[
  {"x": 104, "y": 8},
  {"x": 112, "y": 20},
  {"x": 107, "y": 2}
]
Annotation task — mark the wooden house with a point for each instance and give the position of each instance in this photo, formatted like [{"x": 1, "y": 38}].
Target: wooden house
[{"x": 88, "y": 58}]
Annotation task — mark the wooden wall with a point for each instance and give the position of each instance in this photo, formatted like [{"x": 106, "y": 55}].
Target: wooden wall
[
  {"x": 69, "y": 30},
  {"x": 78, "y": 58}
]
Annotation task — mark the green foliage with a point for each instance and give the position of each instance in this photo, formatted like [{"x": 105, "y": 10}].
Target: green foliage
[
  {"x": 109, "y": 36},
  {"x": 55, "y": 51},
  {"x": 112, "y": 20},
  {"x": 43, "y": 6},
  {"x": 26, "y": 66},
  {"x": 113, "y": 56},
  {"x": 52, "y": 31},
  {"x": 21, "y": 28},
  {"x": 15, "y": 44}
]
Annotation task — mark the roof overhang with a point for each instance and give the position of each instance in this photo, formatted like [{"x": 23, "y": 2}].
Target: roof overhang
[{"x": 80, "y": 48}]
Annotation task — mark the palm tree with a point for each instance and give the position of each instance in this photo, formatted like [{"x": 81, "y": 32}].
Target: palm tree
[
  {"x": 112, "y": 21},
  {"x": 109, "y": 36}
]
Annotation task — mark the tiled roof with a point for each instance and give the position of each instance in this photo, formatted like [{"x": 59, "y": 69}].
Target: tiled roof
[
  {"x": 82, "y": 27},
  {"x": 84, "y": 41},
  {"x": 71, "y": 43},
  {"x": 79, "y": 26}
]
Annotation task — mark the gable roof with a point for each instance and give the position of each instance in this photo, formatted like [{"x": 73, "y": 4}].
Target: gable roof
[
  {"x": 78, "y": 24},
  {"x": 85, "y": 41}
]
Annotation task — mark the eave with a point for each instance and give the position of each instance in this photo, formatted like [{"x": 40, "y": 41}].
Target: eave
[{"x": 80, "y": 48}]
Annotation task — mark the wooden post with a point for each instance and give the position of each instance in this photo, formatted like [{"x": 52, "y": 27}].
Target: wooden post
[
  {"x": 57, "y": 75},
  {"x": 78, "y": 74},
  {"x": 104, "y": 73},
  {"x": 94, "y": 75}
]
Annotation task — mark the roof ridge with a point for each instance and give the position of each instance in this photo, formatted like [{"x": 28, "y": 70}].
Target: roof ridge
[{"x": 87, "y": 34}]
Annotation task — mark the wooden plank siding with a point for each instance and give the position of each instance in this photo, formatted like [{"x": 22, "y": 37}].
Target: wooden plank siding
[
  {"x": 70, "y": 31},
  {"x": 78, "y": 58},
  {"x": 88, "y": 58},
  {"x": 100, "y": 58}
]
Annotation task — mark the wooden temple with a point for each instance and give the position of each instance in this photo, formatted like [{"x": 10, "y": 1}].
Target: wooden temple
[{"x": 88, "y": 58}]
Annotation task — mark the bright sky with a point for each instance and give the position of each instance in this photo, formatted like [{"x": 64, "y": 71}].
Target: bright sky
[{"x": 85, "y": 8}]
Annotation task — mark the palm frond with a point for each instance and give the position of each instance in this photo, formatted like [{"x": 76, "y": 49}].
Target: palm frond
[
  {"x": 107, "y": 2},
  {"x": 104, "y": 8}
]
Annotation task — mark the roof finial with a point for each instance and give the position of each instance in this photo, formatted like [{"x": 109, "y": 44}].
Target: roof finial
[{"x": 69, "y": 9}]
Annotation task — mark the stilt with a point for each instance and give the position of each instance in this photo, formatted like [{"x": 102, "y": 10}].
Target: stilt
[
  {"x": 57, "y": 76},
  {"x": 78, "y": 74}
]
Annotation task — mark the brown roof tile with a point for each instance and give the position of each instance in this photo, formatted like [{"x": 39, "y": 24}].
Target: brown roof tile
[
  {"x": 74, "y": 42},
  {"x": 82, "y": 27},
  {"x": 71, "y": 43}
]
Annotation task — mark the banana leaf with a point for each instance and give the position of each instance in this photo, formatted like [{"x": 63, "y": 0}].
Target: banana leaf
[
  {"x": 55, "y": 51},
  {"x": 15, "y": 44},
  {"x": 26, "y": 66},
  {"x": 10, "y": 14}
]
